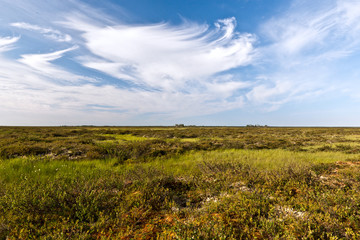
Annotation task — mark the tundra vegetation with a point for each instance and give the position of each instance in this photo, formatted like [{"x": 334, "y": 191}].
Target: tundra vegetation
[{"x": 179, "y": 183}]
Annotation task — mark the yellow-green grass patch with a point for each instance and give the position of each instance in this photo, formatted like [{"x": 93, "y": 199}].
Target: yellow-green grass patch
[
  {"x": 126, "y": 137},
  {"x": 274, "y": 159}
]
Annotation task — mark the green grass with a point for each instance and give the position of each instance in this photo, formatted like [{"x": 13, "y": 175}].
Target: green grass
[
  {"x": 126, "y": 137},
  {"x": 352, "y": 137},
  {"x": 231, "y": 183}
]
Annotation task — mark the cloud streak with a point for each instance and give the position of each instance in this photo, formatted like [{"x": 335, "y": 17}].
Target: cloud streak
[
  {"x": 165, "y": 57},
  {"x": 42, "y": 64},
  {"x": 6, "y": 43},
  {"x": 47, "y": 32},
  {"x": 307, "y": 45},
  {"x": 37, "y": 84},
  {"x": 313, "y": 30}
]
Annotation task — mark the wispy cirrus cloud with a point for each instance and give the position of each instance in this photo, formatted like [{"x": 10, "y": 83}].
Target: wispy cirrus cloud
[
  {"x": 322, "y": 28},
  {"x": 50, "y": 33},
  {"x": 36, "y": 84},
  {"x": 6, "y": 43},
  {"x": 306, "y": 47},
  {"x": 42, "y": 64},
  {"x": 162, "y": 56},
  {"x": 42, "y": 61}
]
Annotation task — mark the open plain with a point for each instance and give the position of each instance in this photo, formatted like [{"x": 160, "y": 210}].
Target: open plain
[{"x": 179, "y": 183}]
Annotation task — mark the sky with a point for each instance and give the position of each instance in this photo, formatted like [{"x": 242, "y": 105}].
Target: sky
[{"x": 194, "y": 62}]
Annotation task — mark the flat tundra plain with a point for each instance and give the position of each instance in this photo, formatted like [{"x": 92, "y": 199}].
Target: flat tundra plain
[{"x": 179, "y": 183}]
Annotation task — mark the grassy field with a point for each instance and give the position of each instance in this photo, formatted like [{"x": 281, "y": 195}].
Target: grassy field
[{"x": 179, "y": 183}]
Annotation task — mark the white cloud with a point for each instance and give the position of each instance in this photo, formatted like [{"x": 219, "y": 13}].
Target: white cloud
[
  {"x": 47, "y": 32},
  {"x": 350, "y": 13},
  {"x": 324, "y": 27},
  {"x": 306, "y": 51},
  {"x": 114, "y": 69},
  {"x": 42, "y": 61},
  {"x": 175, "y": 71},
  {"x": 165, "y": 57},
  {"x": 31, "y": 86},
  {"x": 6, "y": 43},
  {"x": 42, "y": 64}
]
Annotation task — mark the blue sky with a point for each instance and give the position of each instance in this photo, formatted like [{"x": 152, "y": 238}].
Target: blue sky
[{"x": 202, "y": 62}]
